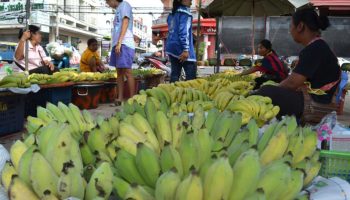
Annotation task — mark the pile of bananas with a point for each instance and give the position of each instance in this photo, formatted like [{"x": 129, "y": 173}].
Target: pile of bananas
[
  {"x": 191, "y": 106},
  {"x": 80, "y": 122},
  {"x": 144, "y": 72},
  {"x": 257, "y": 107},
  {"x": 231, "y": 76},
  {"x": 146, "y": 153},
  {"x": 39, "y": 79},
  {"x": 18, "y": 80}
]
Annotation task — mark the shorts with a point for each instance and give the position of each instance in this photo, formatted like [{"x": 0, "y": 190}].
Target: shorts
[{"x": 124, "y": 60}]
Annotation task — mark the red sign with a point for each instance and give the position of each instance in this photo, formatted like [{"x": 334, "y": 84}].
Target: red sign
[{"x": 209, "y": 30}]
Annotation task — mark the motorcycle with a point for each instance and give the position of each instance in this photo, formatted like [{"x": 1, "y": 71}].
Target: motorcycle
[{"x": 160, "y": 63}]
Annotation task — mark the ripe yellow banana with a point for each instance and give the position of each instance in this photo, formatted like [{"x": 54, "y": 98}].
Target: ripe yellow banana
[
  {"x": 20, "y": 190},
  {"x": 16, "y": 152}
]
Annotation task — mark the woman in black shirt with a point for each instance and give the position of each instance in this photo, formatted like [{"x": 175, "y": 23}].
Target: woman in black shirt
[{"x": 316, "y": 76}]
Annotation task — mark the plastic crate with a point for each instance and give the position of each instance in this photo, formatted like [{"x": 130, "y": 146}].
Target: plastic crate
[
  {"x": 335, "y": 163},
  {"x": 11, "y": 112},
  {"x": 52, "y": 95},
  {"x": 87, "y": 96}
]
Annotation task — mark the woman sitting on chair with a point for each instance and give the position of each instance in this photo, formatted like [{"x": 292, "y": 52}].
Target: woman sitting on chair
[
  {"x": 271, "y": 66},
  {"x": 38, "y": 62}
]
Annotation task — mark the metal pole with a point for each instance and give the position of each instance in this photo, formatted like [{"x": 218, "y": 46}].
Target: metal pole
[
  {"x": 57, "y": 21},
  {"x": 198, "y": 28},
  {"x": 27, "y": 27},
  {"x": 217, "y": 47}
]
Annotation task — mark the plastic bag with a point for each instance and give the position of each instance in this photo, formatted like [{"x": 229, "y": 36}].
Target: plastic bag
[
  {"x": 325, "y": 128},
  {"x": 75, "y": 59},
  {"x": 4, "y": 156}
]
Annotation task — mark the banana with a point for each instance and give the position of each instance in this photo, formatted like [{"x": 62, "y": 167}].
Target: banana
[
  {"x": 312, "y": 173},
  {"x": 177, "y": 130},
  {"x": 112, "y": 150},
  {"x": 128, "y": 108},
  {"x": 129, "y": 131},
  {"x": 198, "y": 118},
  {"x": 170, "y": 158},
  {"x": 259, "y": 194},
  {"x": 163, "y": 128},
  {"x": 88, "y": 171},
  {"x": 236, "y": 143},
  {"x": 246, "y": 174},
  {"x": 96, "y": 140},
  {"x": 222, "y": 126},
  {"x": 165, "y": 94},
  {"x": 189, "y": 152},
  {"x": 276, "y": 147},
  {"x": 120, "y": 187},
  {"x": 114, "y": 124},
  {"x": 167, "y": 184},
  {"x": 56, "y": 112},
  {"x": 30, "y": 140},
  {"x": 136, "y": 191},
  {"x": 274, "y": 179},
  {"x": 62, "y": 149},
  {"x": 265, "y": 138},
  {"x": 253, "y": 132},
  {"x": 139, "y": 108},
  {"x": 86, "y": 154},
  {"x": 190, "y": 188},
  {"x": 70, "y": 183},
  {"x": 127, "y": 144},
  {"x": 296, "y": 146},
  {"x": 211, "y": 118},
  {"x": 70, "y": 118},
  {"x": 126, "y": 166},
  {"x": 147, "y": 163},
  {"x": 7, "y": 173},
  {"x": 46, "y": 133},
  {"x": 24, "y": 165},
  {"x": 16, "y": 152},
  {"x": 150, "y": 110},
  {"x": 101, "y": 183},
  {"x": 18, "y": 190},
  {"x": 34, "y": 124},
  {"x": 205, "y": 144},
  {"x": 310, "y": 142},
  {"x": 44, "y": 114},
  {"x": 143, "y": 126},
  {"x": 89, "y": 120},
  {"x": 292, "y": 124},
  {"x": 218, "y": 180},
  {"x": 294, "y": 186},
  {"x": 238, "y": 152},
  {"x": 43, "y": 178}
]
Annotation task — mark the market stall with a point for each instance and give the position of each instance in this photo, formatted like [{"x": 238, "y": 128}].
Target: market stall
[{"x": 200, "y": 139}]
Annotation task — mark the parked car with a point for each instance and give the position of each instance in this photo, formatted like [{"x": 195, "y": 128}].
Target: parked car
[{"x": 7, "y": 51}]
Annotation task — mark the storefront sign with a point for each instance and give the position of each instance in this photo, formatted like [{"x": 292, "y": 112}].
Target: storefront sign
[
  {"x": 209, "y": 30},
  {"x": 19, "y": 6}
]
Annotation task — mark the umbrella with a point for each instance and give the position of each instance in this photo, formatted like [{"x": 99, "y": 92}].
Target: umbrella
[{"x": 254, "y": 8}]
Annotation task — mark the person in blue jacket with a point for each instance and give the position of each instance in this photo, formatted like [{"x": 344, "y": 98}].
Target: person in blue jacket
[{"x": 179, "y": 44}]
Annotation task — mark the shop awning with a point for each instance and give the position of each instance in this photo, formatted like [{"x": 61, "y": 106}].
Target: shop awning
[{"x": 330, "y": 3}]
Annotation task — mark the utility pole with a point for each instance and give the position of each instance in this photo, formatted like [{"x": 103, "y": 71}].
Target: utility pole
[
  {"x": 27, "y": 28},
  {"x": 198, "y": 28},
  {"x": 57, "y": 21}
]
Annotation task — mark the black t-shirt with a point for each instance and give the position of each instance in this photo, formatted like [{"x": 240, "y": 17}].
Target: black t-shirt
[{"x": 319, "y": 65}]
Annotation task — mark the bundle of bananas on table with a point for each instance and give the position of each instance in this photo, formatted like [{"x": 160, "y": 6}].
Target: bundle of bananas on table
[
  {"x": 190, "y": 107},
  {"x": 39, "y": 78},
  {"x": 257, "y": 107},
  {"x": 62, "y": 77},
  {"x": 231, "y": 77},
  {"x": 17, "y": 80}
]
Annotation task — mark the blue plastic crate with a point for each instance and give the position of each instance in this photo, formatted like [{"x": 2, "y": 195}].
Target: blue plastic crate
[
  {"x": 52, "y": 95},
  {"x": 11, "y": 112}
]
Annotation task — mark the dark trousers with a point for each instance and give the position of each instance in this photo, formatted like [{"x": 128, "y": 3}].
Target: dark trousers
[
  {"x": 42, "y": 70},
  {"x": 176, "y": 68},
  {"x": 290, "y": 102}
]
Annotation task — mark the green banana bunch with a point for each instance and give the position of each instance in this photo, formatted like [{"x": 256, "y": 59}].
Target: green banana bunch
[
  {"x": 16, "y": 152},
  {"x": 101, "y": 182},
  {"x": 213, "y": 114},
  {"x": 296, "y": 146},
  {"x": 167, "y": 184},
  {"x": 170, "y": 158},
  {"x": 274, "y": 179},
  {"x": 71, "y": 120},
  {"x": 56, "y": 112},
  {"x": 126, "y": 166},
  {"x": 198, "y": 118},
  {"x": 163, "y": 129},
  {"x": 253, "y": 133},
  {"x": 259, "y": 194},
  {"x": 70, "y": 183},
  {"x": 295, "y": 184},
  {"x": 43, "y": 177},
  {"x": 177, "y": 130},
  {"x": 20, "y": 190},
  {"x": 205, "y": 144},
  {"x": 189, "y": 152},
  {"x": 136, "y": 191},
  {"x": 218, "y": 180},
  {"x": 120, "y": 187},
  {"x": 7, "y": 173},
  {"x": 190, "y": 188},
  {"x": 246, "y": 174},
  {"x": 276, "y": 147},
  {"x": 147, "y": 162}
]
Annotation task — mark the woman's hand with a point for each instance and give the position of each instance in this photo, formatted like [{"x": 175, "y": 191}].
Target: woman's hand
[
  {"x": 49, "y": 65},
  {"x": 184, "y": 56},
  {"x": 26, "y": 36},
  {"x": 118, "y": 48}
]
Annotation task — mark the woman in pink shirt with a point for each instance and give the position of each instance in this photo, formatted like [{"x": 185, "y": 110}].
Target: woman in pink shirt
[{"x": 38, "y": 62}]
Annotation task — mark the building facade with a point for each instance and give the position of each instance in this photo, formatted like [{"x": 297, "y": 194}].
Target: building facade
[
  {"x": 207, "y": 28},
  {"x": 66, "y": 21}
]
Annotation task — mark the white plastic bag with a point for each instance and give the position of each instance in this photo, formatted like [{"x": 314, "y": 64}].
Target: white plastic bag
[
  {"x": 4, "y": 156},
  {"x": 75, "y": 59}
]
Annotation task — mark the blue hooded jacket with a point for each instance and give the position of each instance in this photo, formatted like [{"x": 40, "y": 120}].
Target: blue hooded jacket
[{"x": 180, "y": 37}]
